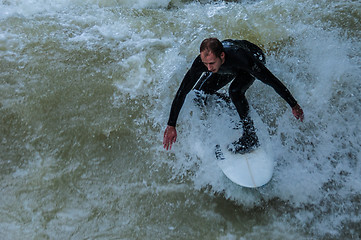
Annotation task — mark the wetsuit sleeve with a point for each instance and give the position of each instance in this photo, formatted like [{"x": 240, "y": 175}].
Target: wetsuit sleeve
[
  {"x": 265, "y": 75},
  {"x": 186, "y": 86}
]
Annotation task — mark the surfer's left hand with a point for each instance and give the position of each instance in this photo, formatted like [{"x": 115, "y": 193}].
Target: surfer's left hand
[{"x": 298, "y": 112}]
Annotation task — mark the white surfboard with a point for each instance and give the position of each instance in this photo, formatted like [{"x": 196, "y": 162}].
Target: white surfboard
[{"x": 251, "y": 170}]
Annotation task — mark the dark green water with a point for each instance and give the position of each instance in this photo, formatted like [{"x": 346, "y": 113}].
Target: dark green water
[{"x": 85, "y": 93}]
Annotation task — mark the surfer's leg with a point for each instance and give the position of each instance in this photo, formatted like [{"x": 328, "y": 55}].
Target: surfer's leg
[
  {"x": 237, "y": 91},
  {"x": 249, "y": 139}
]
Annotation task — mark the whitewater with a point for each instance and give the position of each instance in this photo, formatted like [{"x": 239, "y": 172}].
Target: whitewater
[{"x": 85, "y": 94}]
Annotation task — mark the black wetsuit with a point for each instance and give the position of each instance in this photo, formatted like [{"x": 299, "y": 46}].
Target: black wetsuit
[{"x": 244, "y": 62}]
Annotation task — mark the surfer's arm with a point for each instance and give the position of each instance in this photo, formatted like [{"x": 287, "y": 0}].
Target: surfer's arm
[
  {"x": 170, "y": 133},
  {"x": 179, "y": 99},
  {"x": 265, "y": 75},
  {"x": 186, "y": 86}
]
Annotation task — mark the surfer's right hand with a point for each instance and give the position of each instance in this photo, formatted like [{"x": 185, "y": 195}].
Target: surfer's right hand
[{"x": 170, "y": 136}]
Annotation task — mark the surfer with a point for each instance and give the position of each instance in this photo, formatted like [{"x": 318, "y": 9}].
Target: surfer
[{"x": 237, "y": 62}]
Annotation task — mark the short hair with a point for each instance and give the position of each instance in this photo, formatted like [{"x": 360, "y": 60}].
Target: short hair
[{"x": 212, "y": 45}]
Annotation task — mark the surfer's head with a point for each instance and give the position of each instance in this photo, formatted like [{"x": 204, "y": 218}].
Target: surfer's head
[{"x": 212, "y": 54}]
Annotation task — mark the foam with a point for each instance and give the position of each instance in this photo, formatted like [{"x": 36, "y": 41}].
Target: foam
[{"x": 128, "y": 58}]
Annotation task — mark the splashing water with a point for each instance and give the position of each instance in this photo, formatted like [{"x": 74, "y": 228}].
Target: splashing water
[{"x": 86, "y": 89}]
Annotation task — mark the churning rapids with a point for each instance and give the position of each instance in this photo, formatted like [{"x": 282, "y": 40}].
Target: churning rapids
[{"x": 85, "y": 92}]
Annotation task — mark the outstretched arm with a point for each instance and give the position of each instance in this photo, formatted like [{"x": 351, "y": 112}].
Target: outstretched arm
[
  {"x": 170, "y": 133},
  {"x": 186, "y": 86},
  {"x": 262, "y": 73}
]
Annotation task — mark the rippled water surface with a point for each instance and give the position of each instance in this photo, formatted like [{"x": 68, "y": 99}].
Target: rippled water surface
[{"x": 85, "y": 93}]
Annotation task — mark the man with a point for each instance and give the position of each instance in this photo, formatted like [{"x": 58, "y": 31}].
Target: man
[{"x": 219, "y": 63}]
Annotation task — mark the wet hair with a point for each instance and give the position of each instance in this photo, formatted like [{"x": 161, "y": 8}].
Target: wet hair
[{"x": 212, "y": 45}]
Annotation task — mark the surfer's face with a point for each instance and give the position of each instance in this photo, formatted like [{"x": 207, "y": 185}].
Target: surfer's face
[{"x": 212, "y": 62}]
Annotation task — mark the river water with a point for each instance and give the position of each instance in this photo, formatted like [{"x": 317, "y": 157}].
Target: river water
[{"x": 86, "y": 88}]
